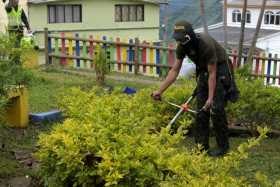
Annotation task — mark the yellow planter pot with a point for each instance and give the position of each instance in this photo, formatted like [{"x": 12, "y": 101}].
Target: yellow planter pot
[{"x": 17, "y": 109}]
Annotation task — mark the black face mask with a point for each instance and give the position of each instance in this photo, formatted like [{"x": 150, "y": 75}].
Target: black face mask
[{"x": 192, "y": 46}]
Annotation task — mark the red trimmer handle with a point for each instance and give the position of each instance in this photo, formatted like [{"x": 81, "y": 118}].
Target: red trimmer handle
[{"x": 185, "y": 107}]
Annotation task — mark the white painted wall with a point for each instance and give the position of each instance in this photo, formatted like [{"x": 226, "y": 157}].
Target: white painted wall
[
  {"x": 254, "y": 18},
  {"x": 270, "y": 44},
  {"x": 3, "y": 17}
]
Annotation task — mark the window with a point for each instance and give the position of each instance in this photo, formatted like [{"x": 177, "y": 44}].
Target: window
[
  {"x": 64, "y": 13},
  {"x": 132, "y": 13},
  {"x": 59, "y": 12},
  {"x": 118, "y": 13},
  {"x": 68, "y": 14},
  {"x": 140, "y": 13},
  {"x": 269, "y": 18},
  {"x": 126, "y": 13},
  {"x": 248, "y": 17},
  {"x": 236, "y": 16},
  {"x": 51, "y": 12},
  {"x": 77, "y": 13},
  {"x": 277, "y": 18}
]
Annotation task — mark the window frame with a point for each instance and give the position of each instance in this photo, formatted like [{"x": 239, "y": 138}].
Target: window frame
[
  {"x": 55, "y": 6},
  {"x": 277, "y": 16},
  {"x": 268, "y": 15},
  {"x": 236, "y": 16},
  {"x": 248, "y": 17},
  {"x": 120, "y": 17}
]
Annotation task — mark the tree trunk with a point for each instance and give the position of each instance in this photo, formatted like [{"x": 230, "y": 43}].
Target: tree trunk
[
  {"x": 253, "y": 45},
  {"x": 225, "y": 25},
  {"x": 241, "y": 39},
  {"x": 202, "y": 14},
  {"x": 100, "y": 78}
]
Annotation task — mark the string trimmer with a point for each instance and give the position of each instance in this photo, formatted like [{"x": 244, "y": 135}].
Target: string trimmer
[{"x": 185, "y": 107}]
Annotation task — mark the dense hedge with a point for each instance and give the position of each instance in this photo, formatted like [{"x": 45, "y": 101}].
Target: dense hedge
[
  {"x": 120, "y": 140},
  {"x": 258, "y": 104}
]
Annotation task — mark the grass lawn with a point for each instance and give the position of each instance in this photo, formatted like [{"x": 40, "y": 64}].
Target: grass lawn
[{"x": 42, "y": 97}]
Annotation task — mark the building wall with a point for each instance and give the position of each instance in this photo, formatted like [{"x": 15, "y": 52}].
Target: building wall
[
  {"x": 3, "y": 15},
  {"x": 98, "y": 19},
  {"x": 270, "y": 44},
  {"x": 254, "y": 18}
]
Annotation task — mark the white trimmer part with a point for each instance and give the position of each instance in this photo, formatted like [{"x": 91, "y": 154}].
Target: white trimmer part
[{"x": 180, "y": 111}]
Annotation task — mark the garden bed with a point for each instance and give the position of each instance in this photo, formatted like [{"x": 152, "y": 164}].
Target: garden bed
[{"x": 43, "y": 94}]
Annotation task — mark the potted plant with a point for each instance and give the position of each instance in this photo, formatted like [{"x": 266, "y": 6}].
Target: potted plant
[{"x": 13, "y": 81}]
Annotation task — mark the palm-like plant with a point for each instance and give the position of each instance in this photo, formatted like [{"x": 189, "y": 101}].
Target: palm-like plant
[{"x": 242, "y": 32}]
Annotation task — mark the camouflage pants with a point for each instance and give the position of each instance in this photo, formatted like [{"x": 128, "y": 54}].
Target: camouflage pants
[{"x": 216, "y": 114}]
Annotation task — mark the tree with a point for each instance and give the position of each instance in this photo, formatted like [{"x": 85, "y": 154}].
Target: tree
[
  {"x": 244, "y": 11},
  {"x": 101, "y": 65},
  {"x": 202, "y": 14},
  {"x": 253, "y": 45}
]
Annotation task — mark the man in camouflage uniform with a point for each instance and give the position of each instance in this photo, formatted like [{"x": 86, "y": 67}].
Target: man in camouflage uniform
[
  {"x": 213, "y": 79},
  {"x": 16, "y": 19}
]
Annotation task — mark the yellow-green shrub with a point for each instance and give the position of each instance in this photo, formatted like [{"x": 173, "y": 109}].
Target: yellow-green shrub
[
  {"x": 107, "y": 140},
  {"x": 257, "y": 106}
]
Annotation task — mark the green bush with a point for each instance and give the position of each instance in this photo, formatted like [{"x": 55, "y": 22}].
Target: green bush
[
  {"x": 109, "y": 140},
  {"x": 101, "y": 65},
  {"x": 257, "y": 106}
]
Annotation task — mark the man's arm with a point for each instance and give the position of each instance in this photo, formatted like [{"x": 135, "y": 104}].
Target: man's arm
[
  {"x": 25, "y": 20},
  {"x": 212, "y": 70},
  {"x": 171, "y": 77}
]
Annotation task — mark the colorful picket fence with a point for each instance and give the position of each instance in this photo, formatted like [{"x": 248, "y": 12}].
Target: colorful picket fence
[
  {"x": 264, "y": 65},
  {"x": 138, "y": 57},
  {"x": 127, "y": 55}
]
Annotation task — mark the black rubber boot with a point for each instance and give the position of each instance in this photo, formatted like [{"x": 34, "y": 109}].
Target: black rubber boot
[{"x": 219, "y": 152}]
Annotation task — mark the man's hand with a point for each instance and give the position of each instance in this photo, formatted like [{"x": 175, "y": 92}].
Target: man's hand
[
  {"x": 208, "y": 104},
  {"x": 156, "y": 96}
]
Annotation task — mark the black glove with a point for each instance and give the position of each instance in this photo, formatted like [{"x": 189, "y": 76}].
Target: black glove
[{"x": 156, "y": 96}]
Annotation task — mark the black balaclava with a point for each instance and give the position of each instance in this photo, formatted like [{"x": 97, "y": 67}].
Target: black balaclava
[{"x": 183, "y": 28}]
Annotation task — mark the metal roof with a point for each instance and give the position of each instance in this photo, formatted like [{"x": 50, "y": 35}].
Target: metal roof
[{"x": 234, "y": 34}]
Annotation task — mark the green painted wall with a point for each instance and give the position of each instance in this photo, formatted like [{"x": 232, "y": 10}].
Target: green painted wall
[{"x": 98, "y": 19}]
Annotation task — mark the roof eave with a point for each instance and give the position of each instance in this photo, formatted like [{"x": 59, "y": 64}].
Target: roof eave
[{"x": 146, "y": 1}]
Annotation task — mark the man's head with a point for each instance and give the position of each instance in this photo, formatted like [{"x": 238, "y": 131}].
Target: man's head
[
  {"x": 184, "y": 35},
  {"x": 182, "y": 32},
  {"x": 14, "y": 2}
]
